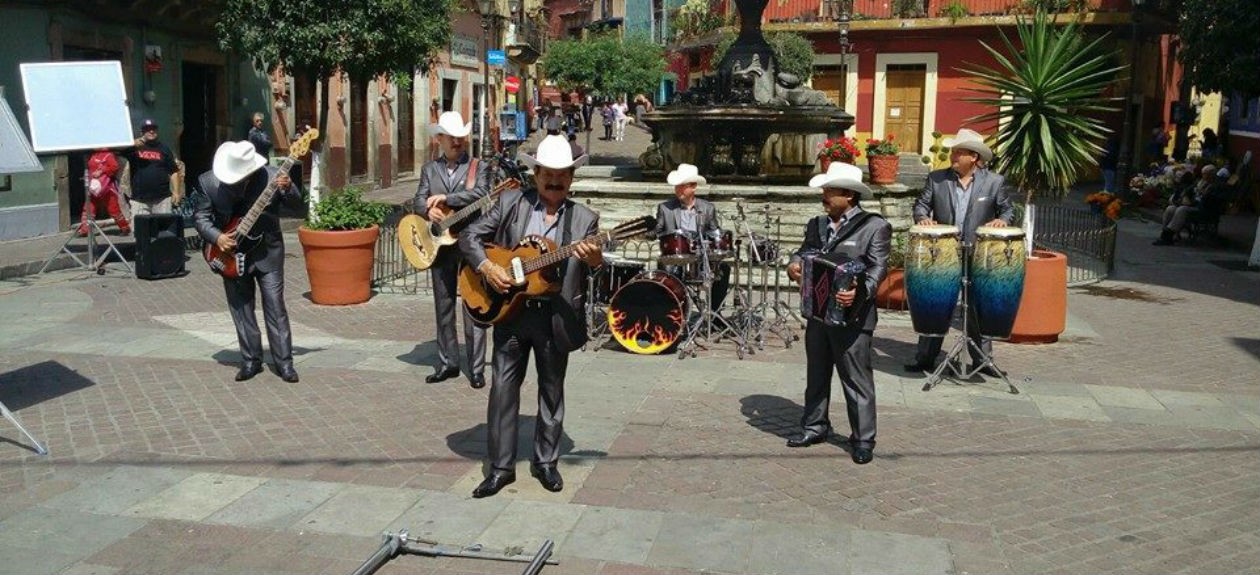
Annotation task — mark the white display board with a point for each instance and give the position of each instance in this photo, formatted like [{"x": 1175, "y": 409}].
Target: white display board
[
  {"x": 76, "y": 106},
  {"x": 16, "y": 155}
]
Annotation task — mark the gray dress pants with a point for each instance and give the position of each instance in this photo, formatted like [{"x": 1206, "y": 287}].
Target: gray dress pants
[
  {"x": 445, "y": 275},
  {"x": 848, "y": 352},
  {"x": 513, "y": 341},
  {"x": 240, "y": 297}
]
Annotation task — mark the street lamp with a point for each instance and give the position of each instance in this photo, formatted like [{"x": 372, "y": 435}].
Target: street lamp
[
  {"x": 845, "y": 45},
  {"x": 1127, "y": 136},
  {"x": 487, "y": 9}
]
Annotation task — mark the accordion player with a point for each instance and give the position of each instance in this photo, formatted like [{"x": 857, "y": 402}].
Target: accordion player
[{"x": 822, "y": 276}]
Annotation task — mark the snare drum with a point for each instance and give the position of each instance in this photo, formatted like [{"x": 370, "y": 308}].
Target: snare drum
[
  {"x": 615, "y": 273},
  {"x": 720, "y": 244},
  {"x": 933, "y": 277},
  {"x": 997, "y": 279},
  {"x": 762, "y": 250},
  {"x": 648, "y": 313},
  {"x": 677, "y": 248}
]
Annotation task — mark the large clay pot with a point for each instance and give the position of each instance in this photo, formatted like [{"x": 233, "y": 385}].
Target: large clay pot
[
  {"x": 892, "y": 291},
  {"x": 339, "y": 264},
  {"x": 1042, "y": 312},
  {"x": 883, "y": 169}
]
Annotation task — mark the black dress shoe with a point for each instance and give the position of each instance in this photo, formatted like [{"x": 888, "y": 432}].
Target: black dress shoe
[
  {"x": 991, "y": 371},
  {"x": 287, "y": 373},
  {"x": 548, "y": 476},
  {"x": 807, "y": 439},
  {"x": 918, "y": 366},
  {"x": 863, "y": 455},
  {"x": 441, "y": 375},
  {"x": 494, "y": 483},
  {"x": 248, "y": 371},
  {"x": 477, "y": 381}
]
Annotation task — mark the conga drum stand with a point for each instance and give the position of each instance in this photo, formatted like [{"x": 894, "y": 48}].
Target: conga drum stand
[{"x": 962, "y": 343}]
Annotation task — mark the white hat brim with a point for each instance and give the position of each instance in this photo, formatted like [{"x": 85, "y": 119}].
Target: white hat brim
[
  {"x": 533, "y": 162},
  {"x": 436, "y": 129},
  {"x": 978, "y": 147},
  {"x": 230, "y": 174},
  {"x": 677, "y": 179},
  {"x": 826, "y": 181}
]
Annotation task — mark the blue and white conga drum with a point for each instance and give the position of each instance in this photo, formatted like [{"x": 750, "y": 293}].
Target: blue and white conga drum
[
  {"x": 997, "y": 279},
  {"x": 933, "y": 277}
]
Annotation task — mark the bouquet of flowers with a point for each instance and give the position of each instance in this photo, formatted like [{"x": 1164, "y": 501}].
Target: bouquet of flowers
[
  {"x": 1105, "y": 203},
  {"x": 884, "y": 147},
  {"x": 842, "y": 149}
]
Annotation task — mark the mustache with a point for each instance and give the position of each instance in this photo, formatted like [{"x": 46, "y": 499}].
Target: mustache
[{"x": 554, "y": 188}]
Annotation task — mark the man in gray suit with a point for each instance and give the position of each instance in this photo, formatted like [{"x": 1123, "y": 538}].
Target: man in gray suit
[
  {"x": 845, "y": 229},
  {"x": 966, "y": 195},
  {"x": 448, "y": 183},
  {"x": 231, "y": 188},
  {"x": 695, "y": 216},
  {"x": 551, "y": 327}
]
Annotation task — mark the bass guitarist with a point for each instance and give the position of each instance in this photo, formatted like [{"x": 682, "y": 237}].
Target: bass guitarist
[
  {"x": 449, "y": 183},
  {"x": 231, "y": 189},
  {"x": 550, "y": 327}
]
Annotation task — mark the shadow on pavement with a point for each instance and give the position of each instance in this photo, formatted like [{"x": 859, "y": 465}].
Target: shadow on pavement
[{"x": 471, "y": 443}]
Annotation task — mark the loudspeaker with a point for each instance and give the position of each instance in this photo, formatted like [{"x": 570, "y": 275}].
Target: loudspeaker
[{"x": 159, "y": 246}]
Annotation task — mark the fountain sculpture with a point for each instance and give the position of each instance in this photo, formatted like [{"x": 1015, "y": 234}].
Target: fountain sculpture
[{"x": 750, "y": 122}]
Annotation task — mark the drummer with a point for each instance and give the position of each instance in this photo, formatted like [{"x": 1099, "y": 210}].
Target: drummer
[
  {"x": 966, "y": 195},
  {"x": 694, "y": 216}
]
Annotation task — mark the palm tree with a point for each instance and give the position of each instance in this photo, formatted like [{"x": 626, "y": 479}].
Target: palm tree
[{"x": 1047, "y": 99}]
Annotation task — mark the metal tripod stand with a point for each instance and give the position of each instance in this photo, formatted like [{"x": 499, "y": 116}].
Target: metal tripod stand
[
  {"x": 963, "y": 342},
  {"x": 401, "y": 542},
  {"x": 93, "y": 263},
  {"x": 701, "y": 327}
]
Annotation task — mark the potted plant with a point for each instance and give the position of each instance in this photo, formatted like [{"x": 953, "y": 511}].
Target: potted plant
[
  {"x": 892, "y": 290},
  {"x": 339, "y": 242},
  {"x": 841, "y": 149},
  {"x": 1052, "y": 86},
  {"x": 882, "y": 157}
]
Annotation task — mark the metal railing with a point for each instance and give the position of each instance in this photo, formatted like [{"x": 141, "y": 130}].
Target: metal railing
[
  {"x": 1088, "y": 239},
  {"x": 391, "y": 272}
]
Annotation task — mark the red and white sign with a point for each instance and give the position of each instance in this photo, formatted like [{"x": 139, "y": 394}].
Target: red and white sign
[{"x": 512, "y": 84}]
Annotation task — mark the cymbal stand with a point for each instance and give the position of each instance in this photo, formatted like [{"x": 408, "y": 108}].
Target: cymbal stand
[
  {"x": 783, "y": 313},
  {"x": 596, "y": 317},
  {"x": 702, "y": 326},
  {"x": 953, "y": 360}
]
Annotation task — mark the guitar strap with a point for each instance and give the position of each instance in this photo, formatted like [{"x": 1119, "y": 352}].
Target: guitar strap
[
  {"x": 470, "y": 181},
  {"x": 565, "y": 235}
]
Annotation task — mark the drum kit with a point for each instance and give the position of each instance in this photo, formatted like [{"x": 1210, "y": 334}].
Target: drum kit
[
  {"x": 676, "y": 307},
  {"x": 988, "y": 274}
]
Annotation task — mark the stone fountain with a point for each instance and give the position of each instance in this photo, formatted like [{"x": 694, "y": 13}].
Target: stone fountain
[{"x": 749, "y": 123}]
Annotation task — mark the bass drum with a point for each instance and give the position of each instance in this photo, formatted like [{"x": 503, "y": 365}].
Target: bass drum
[{"x": 648, "y": 314}]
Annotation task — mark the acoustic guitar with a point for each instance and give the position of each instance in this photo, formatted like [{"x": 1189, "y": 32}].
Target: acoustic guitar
[
  {"x": 422, "y": 240},
  {"x": 231, "y": 264},
  {"x": 530, "y": 265}
]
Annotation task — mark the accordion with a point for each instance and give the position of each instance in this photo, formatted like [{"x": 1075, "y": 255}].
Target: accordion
[{"x": 823, "y": 275}]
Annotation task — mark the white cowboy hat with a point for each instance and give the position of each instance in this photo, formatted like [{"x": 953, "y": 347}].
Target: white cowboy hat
[
  {"x": 685, "y": 174},
  {"x": 970, "y": 140},
  {"x": 233, "y": 161},
  {"x": 553, "y": 152},
  {"x": 451, "y": 124},
  {"x": 840, "y": 175}
]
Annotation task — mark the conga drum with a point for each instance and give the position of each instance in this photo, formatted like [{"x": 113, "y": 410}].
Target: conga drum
[
  {"x": 933, "y": 277},
  {"x": 997, "y": 279}
]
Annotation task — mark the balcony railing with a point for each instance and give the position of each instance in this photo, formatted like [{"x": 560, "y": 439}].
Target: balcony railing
[
  {"x": 829, "y": 10},
  {"x": 528, "y": 34}
]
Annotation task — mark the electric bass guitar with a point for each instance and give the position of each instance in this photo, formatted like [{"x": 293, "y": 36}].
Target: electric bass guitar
[
  {"x": 422, "y": 240},
  {"x": 530, "y": 265},
  {"x": 231, "y": 264}
]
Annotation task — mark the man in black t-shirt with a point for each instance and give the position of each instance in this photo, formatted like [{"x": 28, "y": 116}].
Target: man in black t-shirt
[{"x": 152, "y": 165}]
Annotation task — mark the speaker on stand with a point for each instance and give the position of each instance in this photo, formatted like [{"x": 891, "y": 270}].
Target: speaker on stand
[{"x": 159, "y": 246}]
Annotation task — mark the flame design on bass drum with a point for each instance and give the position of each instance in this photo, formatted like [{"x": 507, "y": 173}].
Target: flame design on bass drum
[{"x": 646, "y": 316}]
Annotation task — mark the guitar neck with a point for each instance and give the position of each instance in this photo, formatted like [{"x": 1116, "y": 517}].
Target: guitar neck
[
  {"x": 553, "y": 258},
  {"x": 468, "y": 211},
  {"x": 264, "y": 199}
]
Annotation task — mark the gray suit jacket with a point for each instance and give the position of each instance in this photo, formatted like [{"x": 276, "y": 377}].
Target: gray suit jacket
[
  {"x": 869, "y": 241},
  {"x": 434, "y": 181},
  {"x": 989, "y": 201},
  {"x": 221, "y": 203},
  {"x": 667, "y": 216},
  {"x": 504, "y": 223}
]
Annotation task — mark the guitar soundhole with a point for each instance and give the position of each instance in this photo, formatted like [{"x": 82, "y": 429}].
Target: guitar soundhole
[{"x": 435, "y": 230}]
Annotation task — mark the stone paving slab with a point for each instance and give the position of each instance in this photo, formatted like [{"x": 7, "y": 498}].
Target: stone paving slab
[
  {"x": 118, "y": 489},
  {"x": 196, "y": 497},
  {"x": 276, "y": 504},
  {"x": 360, "y": 511}
]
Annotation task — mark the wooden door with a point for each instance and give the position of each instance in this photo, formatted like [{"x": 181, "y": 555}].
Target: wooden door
[
  {"x": 903, "y": 109},
  {"x": 406, "y": 126},
  {"x": 830, "y": 81},
  {"x": 306, "y": 113},
  {"x": 358, "y": 130}
]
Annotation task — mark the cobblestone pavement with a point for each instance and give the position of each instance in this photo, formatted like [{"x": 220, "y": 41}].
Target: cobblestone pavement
[{"x": 1132, "y": 449}]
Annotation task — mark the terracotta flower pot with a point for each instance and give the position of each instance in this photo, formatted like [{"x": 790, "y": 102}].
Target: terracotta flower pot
[
  {"x": 1042, "y": 312},
  {"x": 892, "y": 291},
  {"x": 883, "y": 169},
  {"x": 339, "y": 264}
]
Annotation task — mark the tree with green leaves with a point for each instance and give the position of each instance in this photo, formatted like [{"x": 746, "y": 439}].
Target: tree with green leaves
[
  {"x": 362, "y": 38},
  {"x": 1047, "y": 98},
  {"x": 605, "y": 65},
  {"x": 793, "y": 53},
  {"x": 1220, "y": 48}
]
